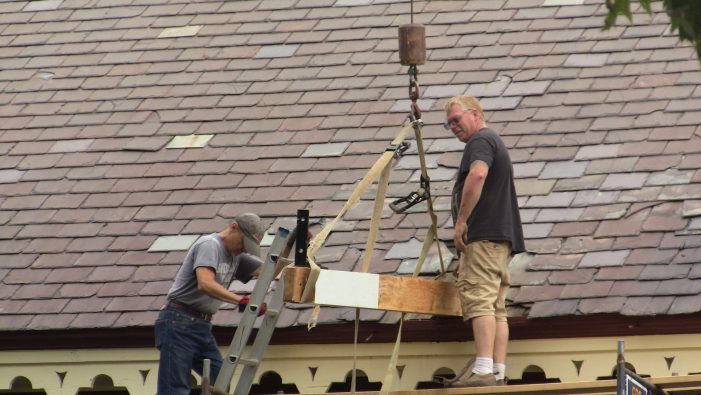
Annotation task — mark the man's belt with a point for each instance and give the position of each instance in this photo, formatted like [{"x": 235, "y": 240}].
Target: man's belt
[{"x": 188, "y": 310}]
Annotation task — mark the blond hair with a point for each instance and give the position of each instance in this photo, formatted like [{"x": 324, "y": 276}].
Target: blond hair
[{"x": 467, "y": 103}]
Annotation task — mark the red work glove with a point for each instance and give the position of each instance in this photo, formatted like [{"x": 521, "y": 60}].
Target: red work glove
[{"x": 246, "y": 300}]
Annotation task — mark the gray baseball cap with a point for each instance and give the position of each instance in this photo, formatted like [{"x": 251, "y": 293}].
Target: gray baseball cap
[{"x": 253, "y": 231}]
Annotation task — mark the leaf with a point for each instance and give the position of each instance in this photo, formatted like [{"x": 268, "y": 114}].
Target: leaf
[
  {"x": 686, "y": 30},
  {"x": 647, "y": 6},
  {"x": 684, "y": 15},
  {"x": 610, "y": 20},
  {"x": 623, "y": 7}
]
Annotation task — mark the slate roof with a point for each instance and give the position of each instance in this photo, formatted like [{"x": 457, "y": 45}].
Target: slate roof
[{"x": 291, "y": 101}]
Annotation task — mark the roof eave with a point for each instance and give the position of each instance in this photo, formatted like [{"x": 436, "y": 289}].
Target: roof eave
[{"x": 436, "y": 330}]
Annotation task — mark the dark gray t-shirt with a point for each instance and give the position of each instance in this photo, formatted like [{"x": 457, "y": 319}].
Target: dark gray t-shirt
[
  {"x": 209, "y": 251},
  {"x": 496, "y": 216}
]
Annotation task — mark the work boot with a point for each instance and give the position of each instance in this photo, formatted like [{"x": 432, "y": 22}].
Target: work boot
[
  {"x": 475, "y": 380},
  {"x": 465, "y": 369}
]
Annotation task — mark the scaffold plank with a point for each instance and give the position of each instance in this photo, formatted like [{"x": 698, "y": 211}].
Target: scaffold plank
[
  {"x": 676, "y": 385},
  {"x": 383, "y": 292}
]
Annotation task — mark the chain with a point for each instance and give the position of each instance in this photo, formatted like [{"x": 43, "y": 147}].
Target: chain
[
  {"x": 414, "y": 93},
  {"x": 424, "y": 192}
]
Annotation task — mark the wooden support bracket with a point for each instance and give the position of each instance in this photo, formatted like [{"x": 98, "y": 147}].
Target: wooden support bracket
[{"x": 375, "y": 291}]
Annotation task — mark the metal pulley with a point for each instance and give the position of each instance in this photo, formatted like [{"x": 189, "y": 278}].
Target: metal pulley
[{"x": 412, "y": 44}]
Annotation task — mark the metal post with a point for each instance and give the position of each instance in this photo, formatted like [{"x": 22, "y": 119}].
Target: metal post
[
  {"x": 621, "y": 370},
  {"x": 302, "y": 241},
  {"x": 205, "y": 377}
]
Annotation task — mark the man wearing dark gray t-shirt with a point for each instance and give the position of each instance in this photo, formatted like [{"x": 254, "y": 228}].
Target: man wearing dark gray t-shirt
[
  {"x": 183, "y": 328},
  {"x": 488, "y": 232}
]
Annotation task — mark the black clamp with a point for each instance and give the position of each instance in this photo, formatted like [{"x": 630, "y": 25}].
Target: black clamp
[
  {"x": 398, "y": 149},
  {"x": 402, "y": 204}
]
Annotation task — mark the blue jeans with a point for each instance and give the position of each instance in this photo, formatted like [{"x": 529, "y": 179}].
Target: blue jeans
[{"x": 184, "y": 342}]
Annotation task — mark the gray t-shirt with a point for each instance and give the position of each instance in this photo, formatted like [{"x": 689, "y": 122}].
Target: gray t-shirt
[
  {"x": 496, "y": 216},
  {"x": 209, "y": 251}
]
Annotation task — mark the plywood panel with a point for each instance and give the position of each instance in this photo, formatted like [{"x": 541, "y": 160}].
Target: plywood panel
[{"x": 337, "y": 288}]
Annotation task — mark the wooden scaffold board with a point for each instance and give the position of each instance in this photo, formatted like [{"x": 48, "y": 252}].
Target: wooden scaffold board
[
  {"x": 675, "y": 385},
  {"x": 375, "y": 291}
]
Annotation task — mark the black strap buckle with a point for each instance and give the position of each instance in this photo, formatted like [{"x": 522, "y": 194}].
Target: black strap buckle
[
  {"x": 398, "y": 149},
  {"x": 403, "y": 204}
]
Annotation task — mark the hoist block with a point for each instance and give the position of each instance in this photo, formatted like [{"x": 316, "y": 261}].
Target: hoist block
[{"x": 412, "y": 44}]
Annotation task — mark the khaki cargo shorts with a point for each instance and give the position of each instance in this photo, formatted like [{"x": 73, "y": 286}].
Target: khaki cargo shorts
[{"x": 483, "y": 279}]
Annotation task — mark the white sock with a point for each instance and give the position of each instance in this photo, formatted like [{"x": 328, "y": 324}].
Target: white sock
[
  {"x": 483, "y": 365},
  {"x": 499, "y": 370}
]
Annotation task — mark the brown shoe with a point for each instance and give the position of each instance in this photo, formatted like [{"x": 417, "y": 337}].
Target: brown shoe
[
  {"x": 469, "y": 365},
  {"x": 475, "y": 380},
  {"x": 503, "y": 381}
]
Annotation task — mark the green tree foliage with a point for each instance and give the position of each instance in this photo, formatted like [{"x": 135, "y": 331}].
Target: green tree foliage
[{"x": 684, "y": 15}]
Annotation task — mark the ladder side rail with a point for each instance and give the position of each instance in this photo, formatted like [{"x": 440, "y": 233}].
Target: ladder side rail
[
  {"x": 245, "y": 326},
  {"x": 263, "y": 336},
  {"x": 205, "y": 390}
]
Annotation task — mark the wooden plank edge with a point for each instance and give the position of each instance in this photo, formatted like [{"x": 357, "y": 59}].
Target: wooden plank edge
[{"x": 599, "y": 387}]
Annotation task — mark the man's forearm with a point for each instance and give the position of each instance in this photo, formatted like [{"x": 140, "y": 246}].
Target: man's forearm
[{"x": 216, "y": 291}]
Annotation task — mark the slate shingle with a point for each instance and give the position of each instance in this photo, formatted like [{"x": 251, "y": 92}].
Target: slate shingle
[
  {"x": 687, "y": 255},
  {"x": 684, "y": 305},
  {"x": 603, "y": 258},
  {"x": 682, "y": 286},
  {"x": 604, "y": 305},
  {"x": 576, "y": 276},
  {"x": 563, "y": 169},
  {"x": 643, "y": 256},
  {"x": 627, "y": 226},
  {"x": 553, "y": 308},
  {"x": 637, "y": 306}
]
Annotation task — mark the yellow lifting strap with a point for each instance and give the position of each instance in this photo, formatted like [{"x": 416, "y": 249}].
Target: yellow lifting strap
[
  {"x": 382, "y": 168},
  {"x": 318, "y": 240},
  {"x": 431, "y": 236}
]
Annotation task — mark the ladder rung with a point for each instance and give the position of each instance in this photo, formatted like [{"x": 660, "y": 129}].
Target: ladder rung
[{"x": 249, "y": 362}]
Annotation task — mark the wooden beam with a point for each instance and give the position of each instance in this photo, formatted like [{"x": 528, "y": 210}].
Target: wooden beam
[
  {"x": 375, "y": 291},
  {"x": 677, "y": 384}
]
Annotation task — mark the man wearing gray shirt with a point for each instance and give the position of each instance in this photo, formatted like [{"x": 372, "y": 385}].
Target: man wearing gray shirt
[{"x": 183, "y": 328}]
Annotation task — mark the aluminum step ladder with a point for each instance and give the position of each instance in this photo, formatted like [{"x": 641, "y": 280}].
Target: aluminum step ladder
[{"x": 234, "y": 357}]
